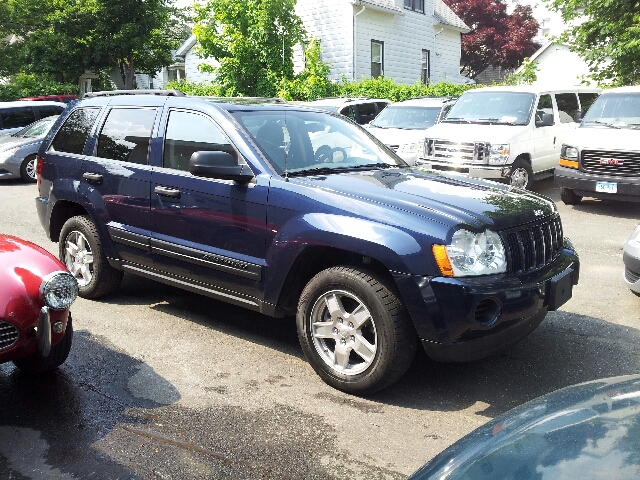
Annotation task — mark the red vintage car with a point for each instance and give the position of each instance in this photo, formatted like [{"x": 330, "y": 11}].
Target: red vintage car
[{"x": 35, "y": 295}]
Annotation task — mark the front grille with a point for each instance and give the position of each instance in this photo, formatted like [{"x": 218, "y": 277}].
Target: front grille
[
  {"x": 611, "y": 163},
  {"x": 456, "y": 152},
  {"x": 8, "y": 335},
  {"x": 533, "y": 246},
  {"x": 631, "y": 277}
]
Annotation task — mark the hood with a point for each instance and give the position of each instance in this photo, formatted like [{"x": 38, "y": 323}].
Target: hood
[
  {"x": 449, "y": 200},
  {"x": 604, "y": 138},
  {"x": 22, "y": 268},
  {"x": 590, "y": 430},
  {"x": 7, "y": 142},
  {"x": 474, "y": 132},
  {"x": 397, "y": 136}
]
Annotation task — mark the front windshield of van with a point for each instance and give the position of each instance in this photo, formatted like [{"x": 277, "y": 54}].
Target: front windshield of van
[
  {"x": 614, "y": 110},
  {"x": 495, "y": 107},
  {"x": 407, "y": 118}
]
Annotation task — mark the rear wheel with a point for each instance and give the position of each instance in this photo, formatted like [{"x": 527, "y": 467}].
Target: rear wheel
[
  {"x": 521, "y": 175},
  {"x": 569, "y": 197},
  {"x": 354, "y": 330},
  {"x": 28, "y": 169},
  {"x": 35, "y": 363},
  {"x": 82, "y": 253}
]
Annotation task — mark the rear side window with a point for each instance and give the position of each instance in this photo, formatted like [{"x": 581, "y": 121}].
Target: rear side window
[
  {"x": 366, "y": 112},
  {"x": 567, "y": 107},
  {"x": 17, "y": 117},
  {"x": 125, "y": 135},
  {"x": 586, "y": 100},
  {"x": 189, "y": 132},
  {"x": 73, "y": 134},
  {"x": 49, "y": 111},
  {"x": 545, "y": 105}
]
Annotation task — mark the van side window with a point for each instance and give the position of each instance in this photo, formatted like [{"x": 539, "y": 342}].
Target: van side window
[
  {"x": 350, "y": 112},
  {"x": 17, "y": 117},
  {"x": 49, "y": 111},
  {"x": 126, "y": 133},
  {"x": 189, "y": 132},
  {"x": 586, "y": 100},
  {"x": 73, "y": 134},
  {"x": 545, "y": 105},
  {"x": 567, "y": 107},
  {"x": 366, "y": 112}
]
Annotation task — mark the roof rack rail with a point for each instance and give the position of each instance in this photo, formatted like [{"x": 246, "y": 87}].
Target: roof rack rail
[
  {"x": 245, "y": 99},
  {"x": 106, "y": 93}
]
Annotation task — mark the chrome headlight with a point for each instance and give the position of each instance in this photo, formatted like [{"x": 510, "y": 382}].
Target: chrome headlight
[
  {"x": 499, "y": 154},
  {"x": 569, "y": 152},
  {"x": 7, "y": 153},
  {"x": 59, "y": 290},
  {"x": 476, "y": 253}
]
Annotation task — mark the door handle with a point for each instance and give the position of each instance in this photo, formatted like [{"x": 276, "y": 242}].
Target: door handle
[
  {"x": 92, "y": 177},
  {"x": 167, "y": 192}
]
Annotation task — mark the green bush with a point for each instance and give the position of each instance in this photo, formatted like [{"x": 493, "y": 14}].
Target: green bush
[{"x": 30, "y": 85}]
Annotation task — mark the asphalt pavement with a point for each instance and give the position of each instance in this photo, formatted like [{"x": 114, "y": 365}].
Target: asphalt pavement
[{"x": 165, "y": 384}]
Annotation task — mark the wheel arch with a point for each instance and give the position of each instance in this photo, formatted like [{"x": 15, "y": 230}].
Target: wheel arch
[{"x": 62, "y": 211}]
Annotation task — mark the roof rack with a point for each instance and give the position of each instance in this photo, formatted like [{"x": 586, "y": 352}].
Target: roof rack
[
  {"x": 245, "y": 99},
  {"x": 106, "y": 93}
]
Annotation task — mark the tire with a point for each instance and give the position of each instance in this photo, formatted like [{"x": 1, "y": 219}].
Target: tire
[
  {"x": 521, "y": 174},
  {"x": 82, "y": 253},
  {"x": 373, "y": 352},
  {"x": 569, "y": 197},
  {"x": 28, "y": 169},
  {"x": 36, "y": 363}
]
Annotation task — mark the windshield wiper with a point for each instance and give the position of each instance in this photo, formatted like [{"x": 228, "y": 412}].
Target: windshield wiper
[
  {"x": 606, "y": 124},
  {"x": 456, "y": 119}
]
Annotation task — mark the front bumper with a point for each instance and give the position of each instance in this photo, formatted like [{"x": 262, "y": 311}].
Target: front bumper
[
  {"x": 472, "y": 170},
  {"x": 632, "y": 270},
  {"x": 476, "y": 317},
  {"x": 584, "y": 184}
]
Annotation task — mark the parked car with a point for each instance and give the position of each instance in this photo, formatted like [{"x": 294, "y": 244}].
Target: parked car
[
  {"x": 15, "y": 116},
  {"x": 506, "y": 133},
  {"x": 18, "y": 150},
  {"x": 589, "y": 431},
  {"x": 402, "y": 125},
  {"x": 631, "y": 260},
  {"x": 360, "y": 110},
  {"x": 64, "y": 98},
  {"x": 37, "y": 290},
  {"x": 243, "y": 201},
  {"x": 601, "y": 159}
]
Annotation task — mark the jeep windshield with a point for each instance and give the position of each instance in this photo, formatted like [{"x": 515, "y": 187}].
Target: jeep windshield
[
  {"x": 297, "y": 142},
  {"x": 406, "y": 118},
  {"x": 493, "y": 108},
  {"x": 614, "y": 110}
]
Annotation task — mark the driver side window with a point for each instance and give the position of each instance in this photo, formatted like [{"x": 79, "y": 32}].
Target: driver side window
[{"x": 545, "y": 106}]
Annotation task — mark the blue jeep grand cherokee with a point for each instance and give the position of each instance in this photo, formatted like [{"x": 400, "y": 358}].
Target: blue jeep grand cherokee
[{"x": 287, "y": 210}]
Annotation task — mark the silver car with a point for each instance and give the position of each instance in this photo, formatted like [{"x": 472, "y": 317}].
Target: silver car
[
  {"x": 18, "y": 150},
  {"x": 631, "y": 260}
]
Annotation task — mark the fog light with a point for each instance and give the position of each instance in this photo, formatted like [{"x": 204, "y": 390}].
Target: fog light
[{"x": 488, "y": 311}]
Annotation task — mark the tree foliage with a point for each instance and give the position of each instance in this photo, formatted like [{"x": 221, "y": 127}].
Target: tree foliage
[
  {"x": 28, "y": 85},
  {"x": 608, "y": 38},
  {"x": 497, "y": 39},
  {"x": 251, "y": 40},
  {"x": 64, "y": 38}
]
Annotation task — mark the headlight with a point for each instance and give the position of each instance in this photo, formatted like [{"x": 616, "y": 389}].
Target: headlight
[
  {"x": 498, "y": 154},
  {"x": 59, "y": 290},
  {"x": 569, "y": 152},
  {"x": 471, "y": 254},
  {"x": 7, "y": 153},
  {"x": 410, "y": 147}
]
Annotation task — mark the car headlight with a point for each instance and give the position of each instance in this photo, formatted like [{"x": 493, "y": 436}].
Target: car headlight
[
  {"x": 499, "y": 154},
  {"x": 7, "y": 153},
  {"x": 569, "y": 152},
  {"x": 410, "y": 148},
  {"x": 59, "y": 290},
  {"x": 471, "y": 254}
]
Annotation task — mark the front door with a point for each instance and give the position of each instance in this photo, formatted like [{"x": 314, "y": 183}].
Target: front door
[{"x": 544, "y": 137}]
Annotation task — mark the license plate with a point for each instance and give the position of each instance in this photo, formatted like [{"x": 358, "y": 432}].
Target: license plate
[
  {"x": 606, "y": 187},
  {"x": 560, "y": 289}
]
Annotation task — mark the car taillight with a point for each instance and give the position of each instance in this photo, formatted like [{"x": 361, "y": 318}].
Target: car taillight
[{"x": 39, "y": 167}]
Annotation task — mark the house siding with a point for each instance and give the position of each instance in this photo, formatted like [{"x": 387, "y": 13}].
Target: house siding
[
  {"x": 191, "y": 71},
  {"x": 559, "y": 66}
]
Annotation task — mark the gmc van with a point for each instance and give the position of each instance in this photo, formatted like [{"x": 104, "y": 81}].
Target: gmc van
[{"x": 508, "y": 133}]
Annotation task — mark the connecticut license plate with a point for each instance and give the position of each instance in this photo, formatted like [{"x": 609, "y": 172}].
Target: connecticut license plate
[{"x": 606, "y": 187}]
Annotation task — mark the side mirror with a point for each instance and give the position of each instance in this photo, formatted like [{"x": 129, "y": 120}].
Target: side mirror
[
  {"x": 220, "y": 165},
  {"x": 577, "y": 117},
  {"x": 547, "y": 120}
]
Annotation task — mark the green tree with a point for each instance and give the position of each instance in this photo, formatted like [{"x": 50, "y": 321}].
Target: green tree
[
  {"x": 65, "y": 38},
  {"x": 313, "y": 82},
  {"x": 608, "y": 39},
  {"x": 251, "y": 40}
]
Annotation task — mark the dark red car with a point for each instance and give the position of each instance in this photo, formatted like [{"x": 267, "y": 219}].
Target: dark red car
[
  {"x": 37, "y": 291},
  {"x": 64, "y": 98}
]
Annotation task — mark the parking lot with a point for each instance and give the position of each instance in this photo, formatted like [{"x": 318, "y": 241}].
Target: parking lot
[{"x": 162, "y": 383}]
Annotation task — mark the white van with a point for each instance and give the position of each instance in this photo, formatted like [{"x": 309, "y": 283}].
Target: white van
[{"x": 508, "y": 133}]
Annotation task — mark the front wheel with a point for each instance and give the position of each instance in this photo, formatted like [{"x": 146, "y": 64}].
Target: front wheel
[
  {"x": 354, "y": 330},
  {"x": 82, "y": 253},
  {"x": 35, "y": 363},
  {"x": 521, "y": 175}
]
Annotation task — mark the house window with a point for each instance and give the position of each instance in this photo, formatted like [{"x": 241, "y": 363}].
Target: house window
[
  {"x": 377, "y": 51},
  {"x": 426, "y": 67},
  {"x": 415, "y": 5}
]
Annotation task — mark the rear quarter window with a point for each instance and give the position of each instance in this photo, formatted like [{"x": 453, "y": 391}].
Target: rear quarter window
[
  {"x": 73, "y": 135},
  {"x": 126, "y": 134}
]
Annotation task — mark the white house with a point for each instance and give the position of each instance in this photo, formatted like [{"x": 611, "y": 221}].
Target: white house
[{"x": 406, "y": 40}]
